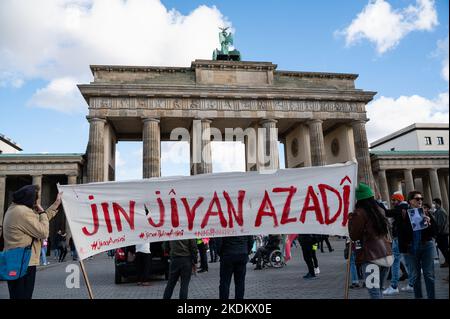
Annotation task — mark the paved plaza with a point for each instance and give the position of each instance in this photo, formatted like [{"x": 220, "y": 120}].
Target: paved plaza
[{"x": 284, "y": 283}]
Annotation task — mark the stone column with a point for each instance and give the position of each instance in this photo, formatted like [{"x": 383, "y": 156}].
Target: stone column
[
  {"x": 409, "y": 181},
  {"x": 384, "y": 190},
  {"x": 395, "y": 185},
  {"x": 434, "y": 181},
  {"x": 444, "y": 192},
  {"x": 317, "y": 143},
  {"x": 362, "y": 153},
  {"x": 2, "y": 199},
  {"x": 96, "y": 150},
  {"x": 270, "y": 148},
  {"x": 201, "y": 160},
  {"x": 151, "y": 137},
  {"x": 427, "y": 190},
  {"x": 37, "y": 180}
]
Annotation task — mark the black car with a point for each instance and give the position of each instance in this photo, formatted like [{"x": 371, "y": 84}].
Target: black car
[{"x": 126, "y": 268}]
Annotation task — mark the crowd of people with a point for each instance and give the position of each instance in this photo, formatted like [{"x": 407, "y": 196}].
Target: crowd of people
[
  {"x": 383, "y": 239},
  {"x": 382, "y": 242}
]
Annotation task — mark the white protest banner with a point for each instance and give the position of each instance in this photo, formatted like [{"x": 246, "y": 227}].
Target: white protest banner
[{"x": 313, "y": 200}]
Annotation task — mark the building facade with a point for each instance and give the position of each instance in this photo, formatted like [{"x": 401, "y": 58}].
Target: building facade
[
  {"x": 413, "y": 158},
  {"x": 8, "y": 146}
]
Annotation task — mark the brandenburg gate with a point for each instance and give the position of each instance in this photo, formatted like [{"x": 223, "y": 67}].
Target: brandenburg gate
[{"x": 320, "y": 117}]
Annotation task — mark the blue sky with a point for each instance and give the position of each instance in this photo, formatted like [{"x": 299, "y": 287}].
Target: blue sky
[{"x": 398, "y": 48}]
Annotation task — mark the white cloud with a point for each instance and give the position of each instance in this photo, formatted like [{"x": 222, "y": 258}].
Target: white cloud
[
  {"x": 388, "y": 115},
  {"x": 379, "y": 23},
  {"x": 58, "y": 39},
  {"x": 60, "y": 94}
]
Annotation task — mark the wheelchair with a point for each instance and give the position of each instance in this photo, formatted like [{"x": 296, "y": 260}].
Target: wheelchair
[{"x": 272, "y": 259}]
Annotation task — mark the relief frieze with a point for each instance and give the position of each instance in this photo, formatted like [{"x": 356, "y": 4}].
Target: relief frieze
[{"x": 226, "y": 104}]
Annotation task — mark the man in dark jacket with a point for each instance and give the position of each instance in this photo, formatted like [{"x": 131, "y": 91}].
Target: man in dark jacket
[
  {"x": 183, "y": 256},
  {"x": 233, "y": 252}
]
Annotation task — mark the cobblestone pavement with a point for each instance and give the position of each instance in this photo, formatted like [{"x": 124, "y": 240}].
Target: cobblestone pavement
[{"x": 284, "y": 283}]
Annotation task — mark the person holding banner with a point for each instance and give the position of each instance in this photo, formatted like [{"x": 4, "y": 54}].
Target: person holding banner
[
  {"x": 369, "y": 225},
  {"x": 143, "y": 263},
  {"x": 233, "y": 253},
  {"x": 183, "y": 257},
  {"x": 27, "y": 223}
]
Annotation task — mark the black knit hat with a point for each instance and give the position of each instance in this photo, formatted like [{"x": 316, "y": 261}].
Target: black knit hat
[{"x": 25, "y": 196}]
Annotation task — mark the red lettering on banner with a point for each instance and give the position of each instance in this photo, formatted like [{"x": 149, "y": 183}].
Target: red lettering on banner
[
  {"x": 210, "y": 212},
  {"x": 346, "y": 204},
  {"x": 94, "y": 219},
  {"x": 316, "y": 206},
  {"x": 105, "y": 208},
  {"x": 262, "y": 211},
  {"x": 174, "y": 216},
  {"x": 161, "y": 213},
  {"x": 287, "y": 205},
  {"x": 232, "y": 211},
  {"x": 323, "y": 192},
  {"x": 190, "y": 212},
  {"x": 129, "y": 218}
]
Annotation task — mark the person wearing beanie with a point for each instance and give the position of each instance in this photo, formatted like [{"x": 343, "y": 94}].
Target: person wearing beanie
[
  {"x": 27, "y": 223},
  {"x": 368, "y": 224},
  {"x": 398, "y": 204}
]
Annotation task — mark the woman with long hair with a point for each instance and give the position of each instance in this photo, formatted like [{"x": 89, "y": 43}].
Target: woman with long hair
[{"x": 369, "y": 226}]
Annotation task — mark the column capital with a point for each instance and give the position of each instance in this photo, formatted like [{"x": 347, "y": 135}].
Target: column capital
[
  {"x": 314, "y": 121},
  {"x": 264, "y": 121},
  {"x": 95, "y": 119},
  {"x": 150, "y": 119},
  {"x": 203, "y": 119}
]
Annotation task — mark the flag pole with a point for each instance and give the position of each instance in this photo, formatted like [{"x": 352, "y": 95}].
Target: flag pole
[
  {"x": 86, "y": 280},
  {"x": 347, "y": 275}
]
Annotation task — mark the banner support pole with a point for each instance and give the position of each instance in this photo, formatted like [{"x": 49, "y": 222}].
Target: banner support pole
[
  {"x": 86, "y": 280},
  {"x": 347, "y": 275}
]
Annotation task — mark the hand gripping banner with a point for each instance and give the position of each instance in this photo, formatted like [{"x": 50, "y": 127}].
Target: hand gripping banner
[{"x": 313, "y": 200}]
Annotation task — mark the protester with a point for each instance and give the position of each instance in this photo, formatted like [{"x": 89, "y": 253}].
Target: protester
[
  {"x": 353, "y": 270},
  {"x": 143, "y": 263},
  {"x": 212, "y": 250},
  {"x": 183, "y": 256},
  {"x": 202, "y": 245},
  {"x": 233, "y": 252},
  {"x": 398, "y": 203},
  {"x": 327, "y": 241},
  {"x": 62, "y": 245},
  {"x": 418, "y": 247},
  {"x": 441, "y": 218},
  {"x": 307, "y": 241},
  {"x": 27, "y": 223},
  {"x": 43, "y": 259},
  {"x": 273, "y": 242},
  {"x": 369, "y": 225},
  {"x": 73, "y": 250}
]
